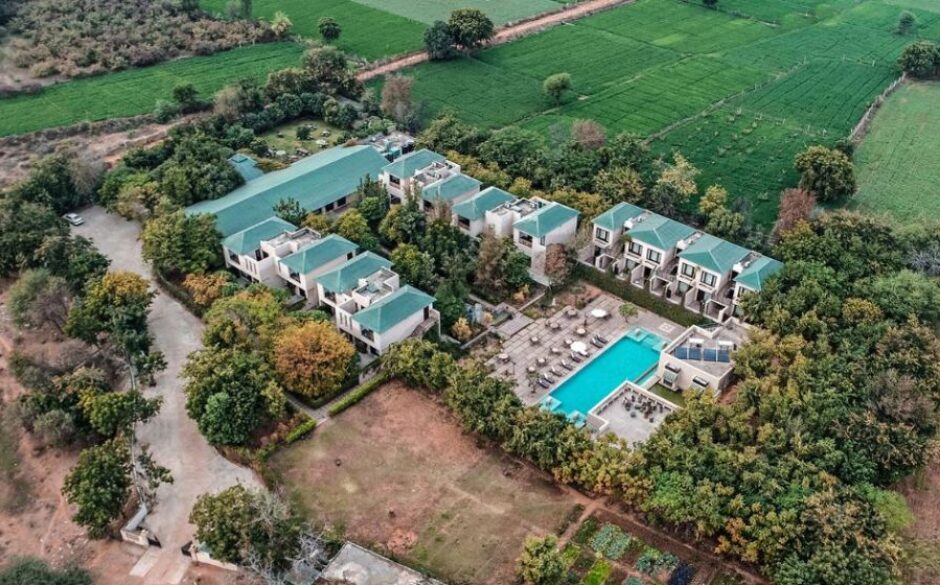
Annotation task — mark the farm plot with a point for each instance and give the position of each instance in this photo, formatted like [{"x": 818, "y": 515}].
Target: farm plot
[
  {"x": 427, "y": 11},
  {"x": 367, "y": 31},
  {"x": 740, "y": 95},
  {"x": 397, "y": 473},
  {"x": 132, "y": 92},
  {"x": 898, "y": 165}
]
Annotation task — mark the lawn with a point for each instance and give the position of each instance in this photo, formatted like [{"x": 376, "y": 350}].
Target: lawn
[
  {"x": 898, "y": 162},
  {"x": 398, "y": 474},
  {"x": 135, "y": 91},
  {"x": 284, "y": 137},
  {"x": 740, "y": 90}
]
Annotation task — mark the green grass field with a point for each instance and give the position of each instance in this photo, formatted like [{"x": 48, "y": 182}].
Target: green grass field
[
  {"x": 898, "y": 162},
  {"x": 135, "y": 91},
  {"x": 740, "y": 90}
]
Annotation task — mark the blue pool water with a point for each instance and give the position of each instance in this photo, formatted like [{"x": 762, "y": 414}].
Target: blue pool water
[{"x": 631, "y": 358}]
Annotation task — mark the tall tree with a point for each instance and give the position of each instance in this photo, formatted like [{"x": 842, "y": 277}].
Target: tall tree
[
  {"x": 541, "y": 562},
  {"x": 179, "y": 243},
  {"x": 556, "y": 85},
  {"x": 826, "y": 173},
  {"x": 329, "y": 29},
  {"x": 313, "y": 359},
  {"x": 439, "y": 41},
  {"x": 354, "y": 227},
  {"x": 470, "y": 27}
]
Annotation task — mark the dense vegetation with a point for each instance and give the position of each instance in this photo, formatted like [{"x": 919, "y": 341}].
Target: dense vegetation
[
  {"x": 84, "y": 37},
  {"x": 36, "y": 572}
]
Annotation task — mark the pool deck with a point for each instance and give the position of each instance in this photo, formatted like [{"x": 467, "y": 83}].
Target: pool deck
[{"x": 523, "y": 354}]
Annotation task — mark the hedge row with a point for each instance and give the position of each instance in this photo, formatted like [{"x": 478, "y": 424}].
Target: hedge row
[
  {"x": 628, "y": 292},
  {"x": 178, "y": 292},
  {"x": 357, "y": 394}
]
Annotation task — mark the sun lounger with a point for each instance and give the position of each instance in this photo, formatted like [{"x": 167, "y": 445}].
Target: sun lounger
[
  {"x": 555, "y": 372},
  {"x": 602, "y": 339},
  {"x": 544, "y": 384},
  {"x": 596, "y": 342},
  {"x": 548, "y": 378},
  {"x": 566, "y": 365},
  {"x": 576, "y": 357}
]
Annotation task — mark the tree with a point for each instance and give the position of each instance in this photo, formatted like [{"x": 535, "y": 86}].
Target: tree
[
  {"x": 450, "y": 299},
  {"x": 906, "y": 22},
  {"x": 230, "y": 393},
  {"x": 327, "y": 67},
  {"x": 245, "y": 9},
  {"x": 249, "y": 319},
  {"x": 115, "y": 413},
  {"x": 404, "y": 223},
  {"x": 541, "y": 562},
  {"x": 355, "y": 228},
  {"x": 238, "y": 525},
  {"x": 461, "y": 329},
  {"x": 827, "y": 174},
  {"x": 588, "y": 134},
  {"x": 208, "y": 288},
  {"x": 73, "y": 258},
  {"x": 620, "y": 184},
  {"x": 373, "y": 209},
  {"x": 470, "y": 27},
  {"x": 516, "y": 150},
  {"x": 313, "y": 359},
  {"x": 796, "y": 205},
  {"x": 24, "y": 226},
  {"x": 289, "y": 209},
  {"x": 329, "y": 29},
  {"x": 439, "y": 42},
  {"x": 281, "y": 25},
  {"x": 99, "y": 485},
  {"x": 28, "y": 571},
  {"x": 186, "y": 95},
  {"x": 415, "y": 267},
  {"x": 63, "y": 181},
  {"x": 38, "y": 299},
  {"x": 179, "y": 243},
  {"x": 556, "y": 85},
  {"x": 114, "y": 311},
  {"x": 920, "y": 59},
  {"x": 396, "y": 99},
  {"x": 197, "y": 170},
  {"x": 559, "y": 262},
  {"x": 674, "y": 187},
  {"x": 628, "y": 311}
]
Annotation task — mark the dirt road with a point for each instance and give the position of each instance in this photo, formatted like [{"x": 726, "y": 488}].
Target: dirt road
[
  {"x": 505, "y": 34},
  {"x": 173, "y": 437}
]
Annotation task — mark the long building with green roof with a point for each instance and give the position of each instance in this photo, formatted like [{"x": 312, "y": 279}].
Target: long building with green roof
[{"x": 321, "y": 182}]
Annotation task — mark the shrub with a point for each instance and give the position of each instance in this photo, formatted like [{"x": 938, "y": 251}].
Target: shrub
[
  {"x": 300, "y": 431},
  {"x": 612, "y": 542},
  {"x": 624, "y": 290},
  {"x": 357, "y": 394}
]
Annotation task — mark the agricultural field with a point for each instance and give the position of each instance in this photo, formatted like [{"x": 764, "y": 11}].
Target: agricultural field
[
  {"x": 135, "y": 91},
  {"x": 397, "y": 473},
  {"x": 898, "y": 163},
  {"x": 373, "y": 29},
  {"x": 739, "y": 90}
]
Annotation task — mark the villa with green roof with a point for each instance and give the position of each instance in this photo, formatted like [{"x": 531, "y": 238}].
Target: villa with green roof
[
  {"x": 321, "y": 183},
  {"x": 244, "y": 252},
  {"x": 706, "y": 267},
  {"x": 300, "y": 268},
  {"x": 371, "y": 307},
  {"x": 470, "y": 215},
  {"x": 607, "y": 234},
  {"x": 437, "y": 179}
]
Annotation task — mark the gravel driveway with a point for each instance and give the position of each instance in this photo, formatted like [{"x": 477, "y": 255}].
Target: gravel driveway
[{"x": 173, "y": 437}]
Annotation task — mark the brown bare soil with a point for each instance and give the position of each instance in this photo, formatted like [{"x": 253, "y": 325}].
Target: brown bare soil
[{"x": 922, "y": 492}]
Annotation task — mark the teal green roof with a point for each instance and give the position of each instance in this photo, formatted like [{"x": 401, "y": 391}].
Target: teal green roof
[
  {"x": 450, "y": 188},
  {"x": 248, "y": 240},
  {"x": 314, "y": 182},
  {"x": 544, "y": 220},
  {"x": 614, "y": 218},
  {"x": 393, "y": 309},
  {"x": 486, "y": 200},
  {"x": 345, "y": 277},
  {"x": 406, "y": 166},
  {"x": 315, "y": 255},
  {"x": 714, "y": 254},
  {"x": 246, "y": 166},
  {"x": 660, "y": 232},
  {"x": 758, "y": 271}
]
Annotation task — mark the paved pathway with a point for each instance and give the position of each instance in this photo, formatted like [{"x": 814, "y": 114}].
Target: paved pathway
[
  {"x": 174, "y": 440},
  {"x": 505, "y": 34}
]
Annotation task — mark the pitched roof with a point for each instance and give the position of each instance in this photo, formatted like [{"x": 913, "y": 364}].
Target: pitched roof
[
  {"x": 245, "y": 166},
  {"x": 660, "y": 232},
  {"x": 714, "y": 253},
  {"x": 406, "y": 166},
  {"x": 614, "y": 218},
  {"x": 318, "y": 253},
  {"x": 314, "y": 182},
  {"x": 545, "y": 219},
  {"x": 477, "y": 206},
  {"x": 345, "y": 277},
  {"x": 450, "y": 188},
  {"x": 248, "y": 240},
  {"x": 393, "y": 309},
  {"x": 757, "y": 272}
]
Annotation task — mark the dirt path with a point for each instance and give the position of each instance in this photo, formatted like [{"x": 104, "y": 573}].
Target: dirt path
[
  {"x": 505, "y": 34},
  {"x": 173, "y": 437}
]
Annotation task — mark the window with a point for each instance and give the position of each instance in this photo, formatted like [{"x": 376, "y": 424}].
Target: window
[
  {"x": 394, "y": 180},
  {"x": 635, "y": 248},
  {"x": 233, "y": 258},
  {"x": 341, "y": 202},
  {"x": 525, "y": 240},
  {"x": 295, "y": 275},
  {"x": 330, "y": 207},
  {"x": 542, "y": 240},
  {"x": 463, "y": 222},
  {"x": 688, "y": 270},
  {"x": 708, "y": 278},
  {"x": 653, "y": 256},
  {"x": 602, "y": 235}
]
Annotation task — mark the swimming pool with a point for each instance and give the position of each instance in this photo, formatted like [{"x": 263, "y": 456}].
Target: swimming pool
[{"x": 631, "y": 358}]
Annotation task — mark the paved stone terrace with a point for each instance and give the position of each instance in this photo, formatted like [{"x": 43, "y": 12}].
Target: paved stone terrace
[{"x": 523, "y": 353}]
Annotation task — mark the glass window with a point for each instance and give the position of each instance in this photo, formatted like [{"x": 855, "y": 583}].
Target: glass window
[
  {"x": 688, "y": 270},
  {"x": 602, "y": 235},
  {"x": 636, "y": 248},
  {"x": 653, "y": 255},
  {"x": 708, "y": 278}
]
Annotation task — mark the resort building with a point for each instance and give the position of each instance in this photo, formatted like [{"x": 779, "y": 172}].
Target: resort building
[
  {"x": 324, "y": 183},
  {"x": 437, "y": 179},
  {"x": 470, "y": 215},
  {"x": 701, "y": 358},
  {"x": 391, "y": 146},
  {"x": 246, "y": 254},
  {"x": 310, "y": 259},
  {"x": 371, "y": 307},
  {"x": 683, "y": 265}
]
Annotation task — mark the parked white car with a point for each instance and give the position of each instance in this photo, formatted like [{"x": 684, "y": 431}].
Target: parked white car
[{"x": 74, "y": 218}]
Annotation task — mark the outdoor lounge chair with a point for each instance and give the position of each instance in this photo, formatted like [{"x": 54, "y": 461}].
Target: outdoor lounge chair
[
  {"x": 544, "y": 383},
  {"x": 566, "y": 365},
  {"x": 576, "y": 357},
  {"x": 602, "y": 339},
  {"x": 555, "y": 372},
  {"x": 596, "y": 342},
  {"x": 548, "y": 378}
]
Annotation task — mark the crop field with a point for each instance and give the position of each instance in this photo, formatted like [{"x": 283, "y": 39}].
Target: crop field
[
  {"x": 373, "y": 29},
  {"x": 135, "y": 91},
  {"x": 898, "y": 162},
  {"x": 740, "y": 90}
]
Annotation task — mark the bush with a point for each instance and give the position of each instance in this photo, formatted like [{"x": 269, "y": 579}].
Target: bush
[
  {"x": 586, "y": 531},
  {"x": 357, "y": 394},
  {"x": 612, "y": 542},
  {"x": 300, "y": 431},
  {"x": 36, "y": 572},
  {"x": 683, "y": 575},
  {"x": 165, "y": 111}
]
